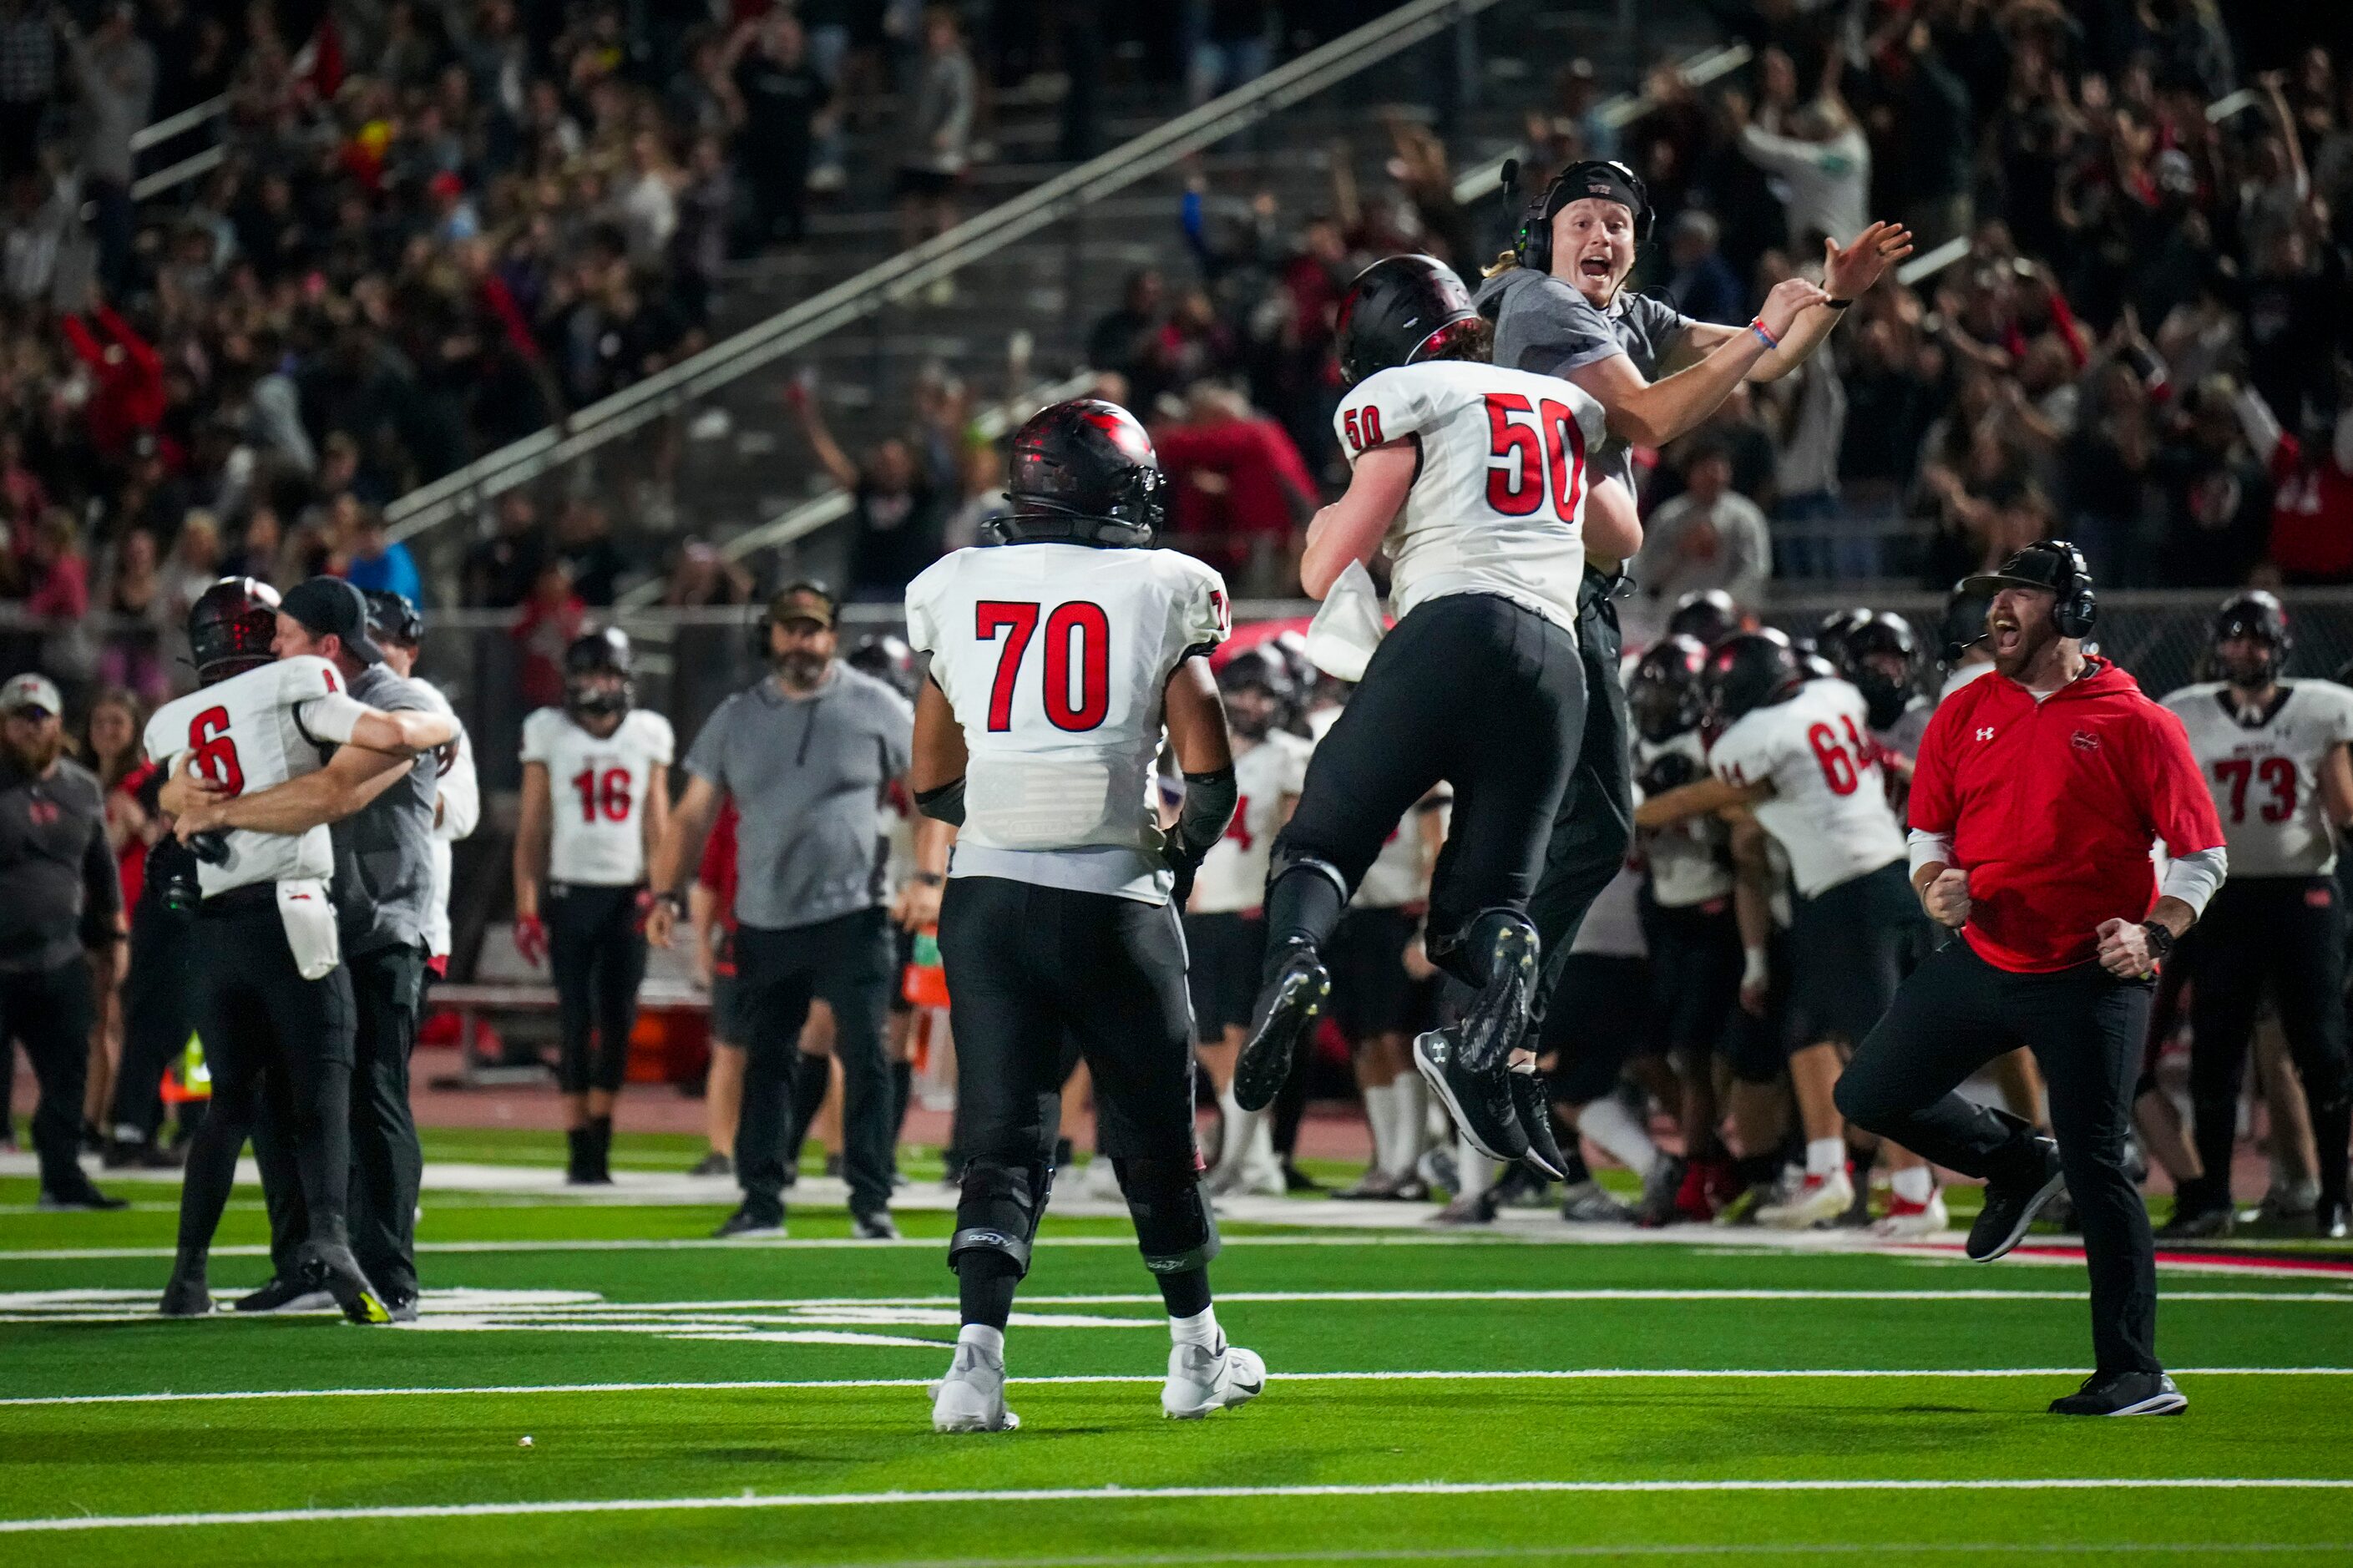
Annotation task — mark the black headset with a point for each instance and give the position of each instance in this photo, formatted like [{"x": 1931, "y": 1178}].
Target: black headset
[
  {"x": 761, "y": 652},
  {"x": 2078, "y": 608},
  {"x": 1531, "y": 243}
]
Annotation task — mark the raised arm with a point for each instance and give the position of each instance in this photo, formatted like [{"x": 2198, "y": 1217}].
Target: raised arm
[
  {"x": 1654, "y": 413},
  {"x": 827, "y": 451}
]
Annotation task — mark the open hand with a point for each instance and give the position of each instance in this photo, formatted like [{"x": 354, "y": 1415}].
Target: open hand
[
  {"x": 1790, "y": 297},
  {"x": 1849, "y": 272}
]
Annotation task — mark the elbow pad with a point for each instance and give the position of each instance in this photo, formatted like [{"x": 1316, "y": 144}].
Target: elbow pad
[
  {"x": 1209, "y": 800},
  {"x": 945, "y": 804}
]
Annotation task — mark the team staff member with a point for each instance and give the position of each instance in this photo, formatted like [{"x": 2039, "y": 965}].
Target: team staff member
[
  {"x": 399, "y": 632},
  {"x": 2273, "y": 753},
  {"x": 806, "y": 754},
  {"x": 596, "y": 796},
  {"x": 55, "y": 907},
  {"x": 2038, "y": 794}
]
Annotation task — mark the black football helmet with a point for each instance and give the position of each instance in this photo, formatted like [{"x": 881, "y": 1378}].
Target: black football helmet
[
  {"x": 1748, "y": 670},
  {"x": 231, "y": 627},
  {"x": 1711, "y": 616},
  {"x": 1263, "y": 669},
  {"x": 1400, "y": 310},
  {"x": 1963, "y": 626},
  {"x": 886, "y": 658},
  {"x": 595, "y": 655},
  {"x": 2258, "y": 617},
  {"x": 1816, "y": 664},
  {"x": 1883, "y": 638},
  {"x": 394, "y": 616},
  {"x": 1083, "y": 473},
  {"x": 1830, "y": 636},
  {"x": 1664, "y": 692}
]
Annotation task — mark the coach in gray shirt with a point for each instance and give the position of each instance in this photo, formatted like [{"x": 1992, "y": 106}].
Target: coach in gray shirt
[{"x": 806, "y": 754}]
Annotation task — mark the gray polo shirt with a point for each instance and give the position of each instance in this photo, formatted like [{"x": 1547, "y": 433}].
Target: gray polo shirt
[
  {"x": 57, "y": 880},
  {"x": 807, "y": 773},
  {"x": 383, "y": 852},
  {"x": 1543, "y": 325}
]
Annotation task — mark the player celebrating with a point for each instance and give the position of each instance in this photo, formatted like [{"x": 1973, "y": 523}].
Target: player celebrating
[
  {"x": 1224, "y": 924},
  {"x": 587, "y": 852},
  {"x": 1057, "y": 657},
  {"x": 1792, "y": 751},
  {"x": 2273, "y": 753},
  {"x": 272, "y": 997},
  {"x": 1473, "y": 480}
]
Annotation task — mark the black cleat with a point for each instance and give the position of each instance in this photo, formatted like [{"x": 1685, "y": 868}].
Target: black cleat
[
  {"x": 874, "y": 1225},
  {"x": 744, "y": 1222},
  {"x": 1296, "y": 1181},
  {"x": 1532, "y": 1107},
  {"x": 2011, "y": 1205},
  {"x": 2123, "y": 1393},
  {"x": 2328, "y": 1220},
  {"x": 1479, "y": 1104},
  {"x": 714, "y": 1163},
  {"x": 284, "y": 1295},
  {"x": 185, "y": 1297},
  {"x": 402, "y": 1305},
  {"x": 2198, "y": 1222},
  {"x": 81, "y": 1195},
  {"x": 1287, "y": 1009},
  {"x": 332, "y": 1267},
  {"x": 1497, "y": 1019}
]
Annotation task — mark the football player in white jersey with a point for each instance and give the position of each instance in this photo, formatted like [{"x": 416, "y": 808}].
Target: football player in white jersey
[
  {"x": 1792, "y": 750},
  {"x": 1060, "y": 653},
  {"x": 271, "y": 998},
  {"x": 1474, "y": 480},
  {"x": 595, "y": 799},
  {"x": 398, "y": 631},
  {"x": 1880, "y": 656},
  {"x": 1225, "y": 922},
  {"x": 2273, "y": 753}
]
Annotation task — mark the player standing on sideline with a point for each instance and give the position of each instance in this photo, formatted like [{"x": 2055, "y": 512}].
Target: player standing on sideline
[
  {"x": 1059, "y": 656},
  {"x": 2272, "y": 752},
  {"x": 1474, "y": 479},
  {"x": 273, "y": 998},
  {"x": 398, "y": 631},
  {"x": 586, "y": 846},
  {"x": 806, "y": 754},
  {"x": 1225, "y": 920},
  {"x": 56, "y": 914},
  {"x": 1792, "y": 751},
  {"x": 2039, "y": 794}
]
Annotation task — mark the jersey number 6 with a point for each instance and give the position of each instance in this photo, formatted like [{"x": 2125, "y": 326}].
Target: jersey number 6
[
  {"x": 216, "y": 750},
  {"x": 1079, "y": 618}
]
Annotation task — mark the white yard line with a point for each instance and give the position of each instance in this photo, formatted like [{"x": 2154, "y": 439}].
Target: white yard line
[
  {"x": 1572, "y": 1374},
  {"x": 1156, "y": 1494}
]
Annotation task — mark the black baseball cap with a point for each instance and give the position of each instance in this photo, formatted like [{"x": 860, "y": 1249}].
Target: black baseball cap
[
  {"x": 330, "y": 606},
  {"x": 2052, "y": 565}
]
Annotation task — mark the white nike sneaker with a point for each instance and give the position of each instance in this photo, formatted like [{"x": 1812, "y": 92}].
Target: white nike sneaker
[
  {"x": 971, "y": 1398},
  {"x": 1819, "y": 1200},
  {"x": 1201, "y": 1380},
  {"x": 1908, "y": 1219}
]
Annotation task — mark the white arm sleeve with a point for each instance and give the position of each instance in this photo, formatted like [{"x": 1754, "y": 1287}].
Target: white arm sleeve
[
  {"x": 2194, "y": 877},
  {"x": 332, "y": 718},
  {"x": 1929, "y": 849},
  {"x": 461, "y": 794}
]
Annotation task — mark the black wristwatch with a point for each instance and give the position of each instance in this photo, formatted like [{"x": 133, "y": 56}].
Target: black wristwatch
[
  {"x": 931, "y": 880},
  {"x": 672, "y": 902},
  {"x": 1838, "y": 304},
  {"x": 2161, "y": 941}
]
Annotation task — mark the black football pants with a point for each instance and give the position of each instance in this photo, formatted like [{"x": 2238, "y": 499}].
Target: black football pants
[
  {"x": 155, "y": 1024},
  {"x": 598, "y": 956},
  {"x": 1595, "y": 823}
]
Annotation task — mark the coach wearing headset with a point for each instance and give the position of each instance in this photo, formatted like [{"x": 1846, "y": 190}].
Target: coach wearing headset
[
  {"x": 1560, "y": 307},
  {"x": 2035, "y": 800}
]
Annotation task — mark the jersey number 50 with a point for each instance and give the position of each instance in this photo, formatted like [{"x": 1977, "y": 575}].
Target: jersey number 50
[
  {"x": 1078, "y": 621},
  {"x": 1548, "y": 453}
]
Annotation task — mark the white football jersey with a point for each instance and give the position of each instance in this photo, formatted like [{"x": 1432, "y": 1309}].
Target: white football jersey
[
  {"x": 1056, "y": 658},
  {"x": 2265, "y": 774},
  {"x": 246, "y": 733},
  {"x": 459, "y": 790},
  {"x": 1690, "y": 862},
  {"x": 1233, "y": 874},
  {"x": 597, "y": 788},
  {"x": 1498, "y": 505},
  {"x": 1829, "y": 806}
]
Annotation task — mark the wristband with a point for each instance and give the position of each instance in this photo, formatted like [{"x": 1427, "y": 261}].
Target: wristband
[
  {"x": 1767, "y": 339},
  {"x": 1754, "y": 969},
  {"x": 1838, "y": 304},
  {"x": 2160, "y": 942},
  {"x": 931, "y": 880}
]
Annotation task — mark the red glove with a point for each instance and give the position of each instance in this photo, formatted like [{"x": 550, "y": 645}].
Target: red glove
[{"x": 531, "y": 941}]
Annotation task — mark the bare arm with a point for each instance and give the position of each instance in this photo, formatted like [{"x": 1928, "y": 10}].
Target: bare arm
[
  {"x": 2336, "y": 784},
  {"x": 1351, "y": 529},
  {"x": 353, "y": 778},
  {"x": 827, "y": 451},
  {"x": 1196, "y": 719},
  {"x": 657, "y": 821},
  {"x": 403, "y": 734},
  {"x": 939, "y": 756},
  {"x": 1613, "y": 526},
  {"x": 531, "y": 835},
  {"x": 1752, "y": 911},
  {"x": 680, "y": 847},
  {"x": 1697, "y": 798}
]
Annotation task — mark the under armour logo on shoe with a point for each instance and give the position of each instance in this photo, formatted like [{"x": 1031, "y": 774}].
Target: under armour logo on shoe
[{"x": 1986, "y": 733}]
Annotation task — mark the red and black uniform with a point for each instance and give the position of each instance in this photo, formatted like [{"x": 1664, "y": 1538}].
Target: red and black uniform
[{"x": 2051, "y": 807}]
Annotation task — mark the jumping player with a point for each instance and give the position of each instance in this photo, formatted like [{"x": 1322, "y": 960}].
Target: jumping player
[
  {"x": 580, "y": 875},
  {"x": 1059, "y": 655}
]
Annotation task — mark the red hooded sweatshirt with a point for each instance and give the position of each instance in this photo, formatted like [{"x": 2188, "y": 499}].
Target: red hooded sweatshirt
[{"x": 2052, "y": 808}]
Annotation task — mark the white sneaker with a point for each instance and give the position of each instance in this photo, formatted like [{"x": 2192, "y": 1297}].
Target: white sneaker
[
  {"x": 971, "y": 1398},
  {"x": 1261, "y": 1178},
  {"x": 1904, "y": 1219},
  {"x": 1201, "y": 1380},
  {"x": 1819, "y": 1200}
]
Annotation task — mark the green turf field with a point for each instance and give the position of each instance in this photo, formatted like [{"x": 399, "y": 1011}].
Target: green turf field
[{"x": 1434, "y": 1397}]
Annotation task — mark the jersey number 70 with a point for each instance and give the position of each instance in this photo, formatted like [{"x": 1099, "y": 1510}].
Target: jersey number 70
[{"x": 1079, "y": 622}]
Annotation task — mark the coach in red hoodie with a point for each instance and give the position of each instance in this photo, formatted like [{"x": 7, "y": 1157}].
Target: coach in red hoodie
[{"x": 2035, "y": 799}]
